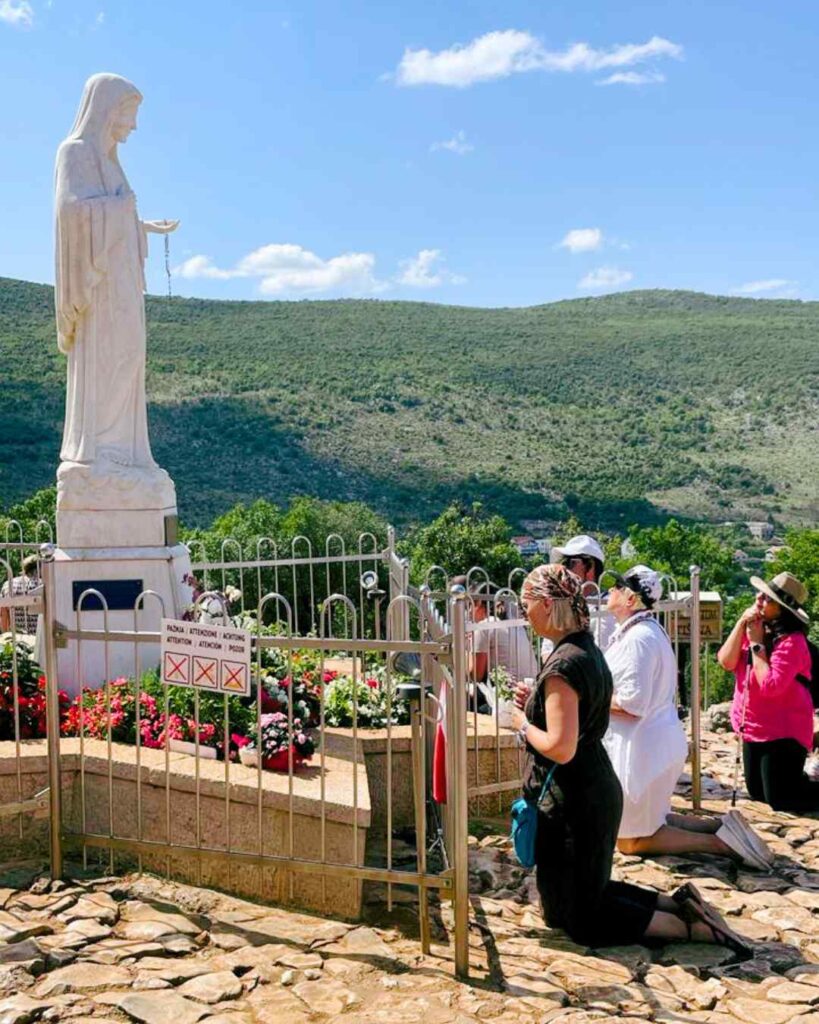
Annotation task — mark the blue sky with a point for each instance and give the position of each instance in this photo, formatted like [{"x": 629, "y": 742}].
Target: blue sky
[{"x": 433, "y": 150}]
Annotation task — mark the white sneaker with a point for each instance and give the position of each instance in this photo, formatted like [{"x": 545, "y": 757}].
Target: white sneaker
[{"x": 740, "y": 845}]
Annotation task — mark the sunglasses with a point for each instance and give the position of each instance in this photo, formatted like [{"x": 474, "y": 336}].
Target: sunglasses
[
  {"x": 634, "y": 588},
  {"x": 569, "y": 560}
]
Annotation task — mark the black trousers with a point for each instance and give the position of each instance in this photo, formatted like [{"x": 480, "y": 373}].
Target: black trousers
[
  {"x": 574, "y": 853},
  {"x": 774, "y": 775}
]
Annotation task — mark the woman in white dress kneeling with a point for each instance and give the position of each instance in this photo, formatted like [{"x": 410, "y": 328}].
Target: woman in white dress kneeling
[{"x": 646, "y": 741}]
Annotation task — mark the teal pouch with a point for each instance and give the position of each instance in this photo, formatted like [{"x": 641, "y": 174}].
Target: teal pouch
[{"x": 524, "y": 824}]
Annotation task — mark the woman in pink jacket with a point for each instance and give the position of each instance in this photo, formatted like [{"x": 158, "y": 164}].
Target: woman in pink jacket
[{"x": 772, "y": 711}]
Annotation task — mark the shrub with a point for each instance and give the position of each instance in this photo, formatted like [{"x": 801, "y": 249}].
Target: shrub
[{"x": 364, "y": 701}]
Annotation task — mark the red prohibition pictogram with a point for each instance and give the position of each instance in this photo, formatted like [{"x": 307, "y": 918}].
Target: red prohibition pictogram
[
  {"x": 176, "y": 668},
  {"x": 234, "y": 676},
  {"x": 204, "y": 672}
]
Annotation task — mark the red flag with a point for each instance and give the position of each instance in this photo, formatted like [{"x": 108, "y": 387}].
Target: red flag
[{"x": 439, "y": 753}]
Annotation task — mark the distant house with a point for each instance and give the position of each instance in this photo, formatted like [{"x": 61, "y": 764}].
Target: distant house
[
  {"x": 760, "y": 530},
  {"x": 627, "y": 549},
  {"x": 544, "y": 545},
  {"x": 773, "y": 551},
  {"x": 740, "y": 556},
  {"x": 526, "y": 545}
]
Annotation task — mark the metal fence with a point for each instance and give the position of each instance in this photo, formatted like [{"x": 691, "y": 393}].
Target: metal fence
[{"x": 282, "y": 835}]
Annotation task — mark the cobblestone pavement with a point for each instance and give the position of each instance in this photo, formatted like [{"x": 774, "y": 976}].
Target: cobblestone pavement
[{"x": 139, "y": 948}]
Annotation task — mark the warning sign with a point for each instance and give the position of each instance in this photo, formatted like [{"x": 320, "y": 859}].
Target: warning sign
[{"x": 209, "y": 657}]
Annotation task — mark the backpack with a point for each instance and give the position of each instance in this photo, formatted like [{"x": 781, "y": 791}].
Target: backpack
[{"x": 812, "y": 683}]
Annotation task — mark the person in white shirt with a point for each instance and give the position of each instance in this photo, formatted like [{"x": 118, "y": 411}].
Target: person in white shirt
[
  {"x": 646, "y": 741},
  {"x": 584, "y": 557},
  {"x": 20, "y": 586},
  {"x": 508, "y": 648}
]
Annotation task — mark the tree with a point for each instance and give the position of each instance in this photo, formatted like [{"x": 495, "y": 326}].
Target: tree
[
  {"x": 673, "y": 548},
  {"x": 244, "y": 526},
  {"x": 461, "y": 538},
  {"x": 569, "y": 528},
  {"x": 41, "y": 506},
  {"x": 801, "y": 557}
]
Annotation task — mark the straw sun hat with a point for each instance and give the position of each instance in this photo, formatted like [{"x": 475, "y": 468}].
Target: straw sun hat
[{"x": 786, "y": 590}]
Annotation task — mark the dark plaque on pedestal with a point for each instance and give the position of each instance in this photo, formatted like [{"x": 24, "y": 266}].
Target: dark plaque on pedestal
[{"x": 120, "y": 595}]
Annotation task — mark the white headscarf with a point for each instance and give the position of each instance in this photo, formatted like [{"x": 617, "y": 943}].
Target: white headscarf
[{"x": 102, "y": 95}]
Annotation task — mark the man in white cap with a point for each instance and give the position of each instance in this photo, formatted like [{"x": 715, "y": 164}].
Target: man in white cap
[
  {"x": 584, "y": 557},
  {"x": 646, "y": 741}
]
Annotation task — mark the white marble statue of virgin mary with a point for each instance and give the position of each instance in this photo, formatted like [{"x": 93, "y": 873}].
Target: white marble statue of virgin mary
[{"x": 101, "y": 247}]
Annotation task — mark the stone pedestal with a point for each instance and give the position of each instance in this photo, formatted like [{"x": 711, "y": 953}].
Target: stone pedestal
[
  {"x": 116, "y": 533},
  {"x": 126, "y": 572},
  {"x": 160, "y": 569}
]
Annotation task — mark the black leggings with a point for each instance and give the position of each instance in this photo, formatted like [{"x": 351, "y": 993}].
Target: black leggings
[{"x": 774, "y": 775}]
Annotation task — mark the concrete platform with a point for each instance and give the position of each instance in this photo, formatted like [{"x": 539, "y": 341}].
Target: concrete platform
[{"x": 228, "y": 809}]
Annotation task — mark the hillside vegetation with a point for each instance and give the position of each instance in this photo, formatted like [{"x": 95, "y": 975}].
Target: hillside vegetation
[{"x": 619, "y": 409}]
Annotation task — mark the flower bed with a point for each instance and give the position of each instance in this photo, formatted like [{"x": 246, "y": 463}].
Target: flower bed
[
  {"x": 296, "y": 693},
  {"x": 30, "y": 693}
]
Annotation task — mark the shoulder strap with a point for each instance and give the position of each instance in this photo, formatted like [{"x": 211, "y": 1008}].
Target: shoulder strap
[{"x": 546, "y": 782}]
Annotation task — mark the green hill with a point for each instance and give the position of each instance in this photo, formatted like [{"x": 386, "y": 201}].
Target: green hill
[{"x": 619, "y": 408}]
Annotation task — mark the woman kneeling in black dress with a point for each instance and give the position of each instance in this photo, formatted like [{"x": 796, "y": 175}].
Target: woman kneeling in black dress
[{"x": 566, "y": 716}]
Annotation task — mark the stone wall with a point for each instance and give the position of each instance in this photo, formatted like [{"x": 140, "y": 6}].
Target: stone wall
[
  {"x": 498, "y": 759},
  {"x": 22, "y": 836}
]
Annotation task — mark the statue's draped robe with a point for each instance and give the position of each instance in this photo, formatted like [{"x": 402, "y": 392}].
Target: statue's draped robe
[{"x": 100, "y": 253}]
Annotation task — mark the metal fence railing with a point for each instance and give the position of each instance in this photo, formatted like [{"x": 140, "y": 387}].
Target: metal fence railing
[{"x": 447, "y": 655}]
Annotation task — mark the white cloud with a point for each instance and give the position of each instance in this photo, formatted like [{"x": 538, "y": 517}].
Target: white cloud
[
  {"x": 292, "y": 268},
  {"x": 633, "y": 78},
  {"x": 201, "y": 266},
  {"x": 605, "y": 277},
  {"x": 772, "y": 284},
  {"x": 282, "y": 268},
  {"x": 425, "y": 271},
  {"x": 503, "y": 53},
  {"x": 582, "y": 240},
  {"x": 457, "y": 144},
  {"x": 16, "y": 12}
]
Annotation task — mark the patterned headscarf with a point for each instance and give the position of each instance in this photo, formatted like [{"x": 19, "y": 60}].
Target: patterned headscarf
[{"x": 558, "y": 584}]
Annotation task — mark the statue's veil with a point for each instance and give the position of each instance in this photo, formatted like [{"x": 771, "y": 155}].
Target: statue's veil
[
  {"x": 102, "y": 95},
  {"x": 83, "y": 228}
]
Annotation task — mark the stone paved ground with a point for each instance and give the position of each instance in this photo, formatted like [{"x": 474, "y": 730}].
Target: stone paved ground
[{"x": 142, "y": 949}]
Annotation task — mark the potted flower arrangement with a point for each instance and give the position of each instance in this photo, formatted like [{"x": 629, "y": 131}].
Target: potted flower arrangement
[{"x": 277, "y": 743}]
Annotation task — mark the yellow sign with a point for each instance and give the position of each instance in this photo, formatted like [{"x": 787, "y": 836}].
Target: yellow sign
[{"x": 710, "y": 619}]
